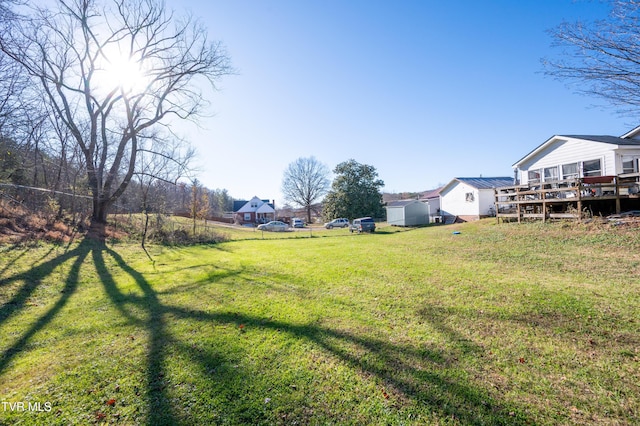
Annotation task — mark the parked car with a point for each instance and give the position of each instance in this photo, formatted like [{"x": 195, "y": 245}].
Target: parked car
[
  {"x": 274, "y": 225},
  {"x": 337, "y": 223},
  {"x": 297, "y": 223},
  {"x": 363, "y": 224}
]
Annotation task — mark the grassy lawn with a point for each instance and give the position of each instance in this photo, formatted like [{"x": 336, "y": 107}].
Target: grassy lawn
[{"x": 500, "y": 324}]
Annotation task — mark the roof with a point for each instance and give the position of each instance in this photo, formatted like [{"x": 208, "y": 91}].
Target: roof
[
  {"x": 238, "y": 204},
  {"x": 434, "y": 193},
  {"x": 604, "y": 139},
  {"x": 487, "y": 182},
  {"x": 265, "y": 208},
  {"x": 401, "y": 203},
  {"x": 631, "y": 133},
  {"x": 479, "y": 182}
]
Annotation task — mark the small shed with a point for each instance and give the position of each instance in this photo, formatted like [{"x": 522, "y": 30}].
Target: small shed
[{"x": 407, "y": 213}]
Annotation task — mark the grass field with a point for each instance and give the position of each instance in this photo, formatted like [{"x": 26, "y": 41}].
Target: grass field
[{"x": 533, "y": 324}]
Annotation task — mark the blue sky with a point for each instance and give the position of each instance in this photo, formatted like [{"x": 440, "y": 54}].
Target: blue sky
[{"x": 422, "y": 90}]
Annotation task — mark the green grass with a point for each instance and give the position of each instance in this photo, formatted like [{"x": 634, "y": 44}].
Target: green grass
[{"x": 500, "y": 324}]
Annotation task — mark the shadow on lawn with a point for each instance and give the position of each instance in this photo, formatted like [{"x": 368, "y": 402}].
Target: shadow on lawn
[
  {"x": 32, "y": 280},
  {"x": 398, "y": 366}
]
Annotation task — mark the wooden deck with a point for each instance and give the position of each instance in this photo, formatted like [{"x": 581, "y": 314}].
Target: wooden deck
[{"x": 568, "y": 199}]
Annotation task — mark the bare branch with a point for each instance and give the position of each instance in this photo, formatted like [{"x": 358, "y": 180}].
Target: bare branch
[{"x": 602, "y": 58}]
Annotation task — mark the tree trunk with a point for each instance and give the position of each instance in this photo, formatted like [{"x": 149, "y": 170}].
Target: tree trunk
[{"x": 99, "y": 219}]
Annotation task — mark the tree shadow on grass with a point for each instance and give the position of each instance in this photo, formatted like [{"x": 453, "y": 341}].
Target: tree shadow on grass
[
  {"x": 399, "y": 366},
  {"x": 32, "y": 279},
  {"x": 414, "y": 376},
  {"x": 396, "y": 365}
]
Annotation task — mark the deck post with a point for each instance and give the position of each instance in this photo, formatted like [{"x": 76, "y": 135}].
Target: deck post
[
  {"x": 544, "y": 205},
  {"x": 519, "y": 208},
  {"x": 496, "y": 205},
  {"x": 580, "y": 187},
  {"x": 618, "y": 208}
]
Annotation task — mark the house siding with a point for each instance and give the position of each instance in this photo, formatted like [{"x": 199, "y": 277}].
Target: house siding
[
  {"x": 569, "y": 150},
  {"x": 453, "y": 201},
  {"x": 486, "y": 206},
  {"x": 624, "y": 152}
]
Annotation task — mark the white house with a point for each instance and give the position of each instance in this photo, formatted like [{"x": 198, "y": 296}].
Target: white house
[
  {"x": 253, "y": 211},
  {"x": 470, "y": 198},
  {"x": 578, "y": 156},
  {"x": 407, "y": 213}
]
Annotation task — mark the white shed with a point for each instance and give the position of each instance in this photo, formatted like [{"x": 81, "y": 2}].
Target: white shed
[
  {"x": 407, "y": 213},
  {"x": 470, "y": 198}
]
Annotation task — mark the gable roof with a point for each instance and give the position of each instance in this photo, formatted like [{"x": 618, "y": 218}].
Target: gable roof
[
  {"x": 265, "y": 208},
  {"x": 631, "y": 133}
]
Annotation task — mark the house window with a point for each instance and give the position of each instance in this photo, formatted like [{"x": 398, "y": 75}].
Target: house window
[
  {"x": 254, "y": 205},
  {"x": 550, "y": 174},
  {"x": 468, "y": 197},
  {"x": 534, "y": 176},
  {"x": 592, "y": 168},
  {"x": 247, "y": 216},
  {"x": 570, "y": 171},
  {"x": 629, "y": 165}
]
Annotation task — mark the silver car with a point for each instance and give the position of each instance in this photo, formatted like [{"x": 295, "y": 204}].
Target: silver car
[
  {"x": 337, "y": 223},
  {"x": 274, "y": 225}
]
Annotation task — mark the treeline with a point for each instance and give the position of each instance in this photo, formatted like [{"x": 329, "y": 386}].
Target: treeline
[{"x": 29, "y": 164}]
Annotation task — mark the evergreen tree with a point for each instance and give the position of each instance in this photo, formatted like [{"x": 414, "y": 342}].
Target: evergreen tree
[{"x": 355, "y": 192}]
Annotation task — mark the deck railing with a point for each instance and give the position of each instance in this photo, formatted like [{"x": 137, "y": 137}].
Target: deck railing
[{"x": 564, "y": 198}]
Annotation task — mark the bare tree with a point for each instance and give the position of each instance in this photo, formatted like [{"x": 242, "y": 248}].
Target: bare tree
[
  {"x": 305, "y": 182},
  {"x": 602, "y": 58},
  {"x": 115, "y": 71},
  {"x": 199, "y": 208},
  {"x": 166, "y": 163}
]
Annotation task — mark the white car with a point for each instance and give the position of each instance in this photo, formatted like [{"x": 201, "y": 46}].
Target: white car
[
  {"x": 337, "y": 223},
  {"x": 274, "y": 225}
]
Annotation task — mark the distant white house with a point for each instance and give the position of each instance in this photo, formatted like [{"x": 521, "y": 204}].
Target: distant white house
[
  {"x": 469, "y": 199},
  {"x": 407, "y": 213},
  {"x": 577, "y": 156},
  {"x": 253, "y": 211}
]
